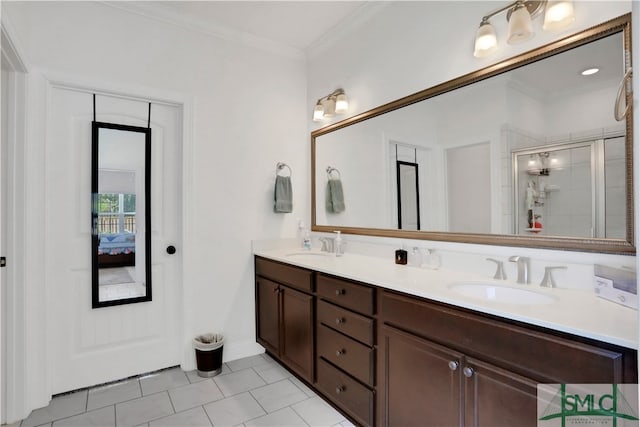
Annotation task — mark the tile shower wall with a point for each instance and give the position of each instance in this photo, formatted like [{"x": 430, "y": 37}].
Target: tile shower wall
[
  {"x": 615, "y": 203},
  {"x": 567, "y": 210}
]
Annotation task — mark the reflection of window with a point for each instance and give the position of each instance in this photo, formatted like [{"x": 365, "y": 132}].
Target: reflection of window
[{"x": 116, "y": 213}]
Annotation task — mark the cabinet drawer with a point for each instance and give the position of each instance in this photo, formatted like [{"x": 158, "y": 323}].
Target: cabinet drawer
[
  {"x": 349, "y": 323},
  {"x": 530, "y": 352},
  {"x": 352, "y": 357},
  {"x": 289, "y": 275},
  {"x": 354, "y": 398},
  {"x": 347, "y": 294}
]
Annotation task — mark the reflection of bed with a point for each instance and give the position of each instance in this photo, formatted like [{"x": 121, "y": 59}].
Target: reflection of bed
[{"x": 117, "y": 250}]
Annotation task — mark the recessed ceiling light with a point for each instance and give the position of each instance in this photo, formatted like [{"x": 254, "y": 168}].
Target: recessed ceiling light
[{"x": 590, "y": 71}]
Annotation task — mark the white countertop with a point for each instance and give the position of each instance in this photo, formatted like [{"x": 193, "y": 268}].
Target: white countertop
[{"x": 574, "y": 311}]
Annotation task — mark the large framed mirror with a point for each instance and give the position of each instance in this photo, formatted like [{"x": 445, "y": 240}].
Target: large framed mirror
[
  {"x": 472, "y": 139},
  {"x": 120, "y": 220}
]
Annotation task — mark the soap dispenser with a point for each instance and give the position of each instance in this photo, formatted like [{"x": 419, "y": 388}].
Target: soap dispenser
[
  {"x": 338, "y": 246},
  {"x": 305, "y": 242}
]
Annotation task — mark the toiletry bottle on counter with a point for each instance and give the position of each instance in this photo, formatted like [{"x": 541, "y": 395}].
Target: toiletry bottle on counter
[
  {"x": 306, "y": 240},
  {"x": 432, "y": 260},
  {"x": 338, "y": 245},
  {"x": 415, "y": 257},
  {"x": 401, "y": 257}
]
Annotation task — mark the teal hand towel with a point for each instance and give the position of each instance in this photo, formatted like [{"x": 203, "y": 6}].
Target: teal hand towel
[
  {"x": 335, "y": 196},
  {"x": 283, "y": 195}
]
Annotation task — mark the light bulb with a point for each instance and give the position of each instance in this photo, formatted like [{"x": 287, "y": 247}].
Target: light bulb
[
  {"x": 342, "y": 104},
  {"x": 520, "y": 27},
  {"x": 486, "y": 40},
  {"x": 329, "y": 108},
  {"x": 559, "y": 14},
  {"x": 318, "y": 112}
]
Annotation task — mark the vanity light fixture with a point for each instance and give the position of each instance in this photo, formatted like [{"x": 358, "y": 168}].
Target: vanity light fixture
[
  {"x": 558, "y": 14},
  {"x": 328, "y": 106}
]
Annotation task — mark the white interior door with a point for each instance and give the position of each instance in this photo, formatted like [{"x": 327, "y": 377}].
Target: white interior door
[{"x": 90, "y": 346}]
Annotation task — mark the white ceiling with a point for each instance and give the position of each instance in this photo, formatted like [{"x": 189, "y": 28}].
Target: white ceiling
[
  {"x": 560, "y": 74},
  {"x": 293, "y": 27},
  {"x": 291, "y": 24}
]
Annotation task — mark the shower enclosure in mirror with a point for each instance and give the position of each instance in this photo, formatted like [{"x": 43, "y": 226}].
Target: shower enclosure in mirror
[
  {"x": 469, "y": 135},
  {"x": 121, "y": 254},
  {"x": 574, "y": 189}
]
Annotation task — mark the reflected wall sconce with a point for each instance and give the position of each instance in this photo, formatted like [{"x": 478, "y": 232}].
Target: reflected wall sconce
[
  {"x": 520, "y": 13},
  {"x": 328, "y": 106}
]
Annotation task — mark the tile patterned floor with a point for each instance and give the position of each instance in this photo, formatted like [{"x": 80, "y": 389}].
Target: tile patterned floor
[{"x": 252, "y": 392}]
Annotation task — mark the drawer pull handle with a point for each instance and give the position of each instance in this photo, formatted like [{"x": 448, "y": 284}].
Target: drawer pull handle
[
  {"x": 468, "y": 372},
  {"x": 340, "y": 320},
  {"x": 453, "y": 365},
  {"x": 340, "y": 291},
  {"x": 340, "y": 389},
  {"x": 340, "y": 352}
]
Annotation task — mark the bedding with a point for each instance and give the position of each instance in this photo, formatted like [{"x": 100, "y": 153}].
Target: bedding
[{"x": 116, "y": 249}]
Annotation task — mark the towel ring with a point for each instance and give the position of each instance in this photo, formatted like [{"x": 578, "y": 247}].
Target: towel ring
[
  {"x": 330, "y": 170},
  {"x": 281, "y": 166},
  {"x": 618, "y": 113}
]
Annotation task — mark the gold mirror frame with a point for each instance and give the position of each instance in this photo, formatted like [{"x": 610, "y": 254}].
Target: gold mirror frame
[{"x": 614, "y": 246}]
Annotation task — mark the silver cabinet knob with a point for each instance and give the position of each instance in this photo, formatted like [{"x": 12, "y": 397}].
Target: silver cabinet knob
[
  {"x": 453, "y": 365},
  {"x": 340, "y": 352},
  {"x": 340, "y": 389},
  {"x": 340, "y": 291},
  {"x": 468, "y": 372},
  {"x": 339, "y": 320}
]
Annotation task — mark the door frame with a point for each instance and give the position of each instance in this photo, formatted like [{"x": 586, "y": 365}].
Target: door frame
[{"x": 12, "y": 343}]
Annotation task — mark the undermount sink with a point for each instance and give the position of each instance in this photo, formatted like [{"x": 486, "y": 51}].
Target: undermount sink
[
  {"x": 498, "y": 292},
  {"x": 307, "y": 254}
]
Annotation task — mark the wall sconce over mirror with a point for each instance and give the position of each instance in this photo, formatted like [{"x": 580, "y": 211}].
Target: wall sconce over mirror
[
  {"x": 557, "y": 15},
  {"x": 328, "y": 106},
  {"x": 120, "y": 217}
]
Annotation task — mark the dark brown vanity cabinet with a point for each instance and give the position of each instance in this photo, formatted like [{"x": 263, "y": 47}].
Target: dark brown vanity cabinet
[
  {"x": 386, "y": 358},
  {"x": 285, "y": 314},
  {"x": 456, "y": 368},
  {"x": 345, "y": 346}
]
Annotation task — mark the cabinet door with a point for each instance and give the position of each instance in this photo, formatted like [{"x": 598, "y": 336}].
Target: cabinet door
[
  {"x": 297, "y": 332},
  {"x": 268, "y": 322},
  {"x": 498, "y": 398},
  {"x": 420, "y": 382}
]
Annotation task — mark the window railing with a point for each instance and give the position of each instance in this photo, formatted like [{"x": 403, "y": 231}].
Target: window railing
[{"x": 110, "y": 223}]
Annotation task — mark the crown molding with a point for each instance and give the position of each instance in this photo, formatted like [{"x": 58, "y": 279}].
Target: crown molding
[
  {"x": 348, "y": 24},
  {"x": 207, "y": 28}
]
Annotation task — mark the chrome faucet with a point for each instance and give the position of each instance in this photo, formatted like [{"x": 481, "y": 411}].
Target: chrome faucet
[
  {"x": 547, "y": 280},
  {"x": 523, "y": 268},
  {"x": 500, "y": 274}
]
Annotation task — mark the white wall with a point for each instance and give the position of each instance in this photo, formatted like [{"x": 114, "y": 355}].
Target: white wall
[
  {"x": 248, "y": 113},
  {"x": 410, "y": 46}
]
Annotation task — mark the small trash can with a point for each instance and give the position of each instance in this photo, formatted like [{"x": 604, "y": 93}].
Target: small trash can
[{"x": 208, "y": 354}]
